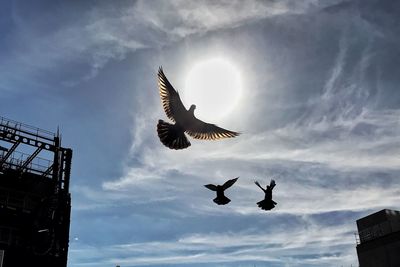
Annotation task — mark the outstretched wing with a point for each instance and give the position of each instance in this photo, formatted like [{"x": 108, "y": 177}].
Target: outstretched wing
[
  {"x": 206, "y": 131},
  {"x": 258, "y": 184},
  {"x": 229, "y": 183},
  {"x": 211, "y": 187},
  {"x": 170, "y": 99}
]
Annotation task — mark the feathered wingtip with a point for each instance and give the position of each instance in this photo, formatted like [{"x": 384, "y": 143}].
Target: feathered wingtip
[
  {"x": 229, "y": 183},
  {"x": 161, "y": 77}
]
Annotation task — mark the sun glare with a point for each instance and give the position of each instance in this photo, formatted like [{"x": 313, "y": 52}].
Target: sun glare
[{"x": 214, "y": 86}]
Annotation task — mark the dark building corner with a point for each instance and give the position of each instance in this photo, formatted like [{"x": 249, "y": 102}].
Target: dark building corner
[{"x": 378, "y": 242}]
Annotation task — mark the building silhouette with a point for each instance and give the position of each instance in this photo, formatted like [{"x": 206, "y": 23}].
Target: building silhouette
[
  {"x": 34, "y": 196},
  {"x": 379, "y": 239}
]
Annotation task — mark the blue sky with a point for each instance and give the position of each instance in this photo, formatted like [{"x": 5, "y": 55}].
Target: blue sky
[{"x": 319, "y": 112}]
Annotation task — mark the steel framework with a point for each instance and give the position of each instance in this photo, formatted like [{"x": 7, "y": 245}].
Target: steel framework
[{"x": 35, "y": 202}]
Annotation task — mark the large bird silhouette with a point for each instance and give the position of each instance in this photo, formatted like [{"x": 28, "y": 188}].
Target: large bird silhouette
[
  {"x": 173, "y": 135},
  {"x": 221, "y": 199}
]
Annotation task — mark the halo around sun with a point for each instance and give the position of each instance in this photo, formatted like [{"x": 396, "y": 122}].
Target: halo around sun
[{"x": 214, "y": 86}]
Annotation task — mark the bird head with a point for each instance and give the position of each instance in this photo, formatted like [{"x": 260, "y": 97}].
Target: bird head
[{"x": 192, "y": 108}]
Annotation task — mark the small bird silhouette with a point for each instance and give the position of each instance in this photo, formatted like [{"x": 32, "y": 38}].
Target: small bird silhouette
[
  {"x": 221, "y": 199},
  {"x": 173, "y": 135},
  {"x": 267, "y": 203}
]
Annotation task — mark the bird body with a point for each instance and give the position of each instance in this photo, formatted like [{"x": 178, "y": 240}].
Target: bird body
[
  {"x": 173, "y": 135},
  {"x": 221, "y": 199}
]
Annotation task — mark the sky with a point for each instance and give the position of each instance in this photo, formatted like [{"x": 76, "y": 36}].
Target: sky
[{"x": 319, "y": 112}]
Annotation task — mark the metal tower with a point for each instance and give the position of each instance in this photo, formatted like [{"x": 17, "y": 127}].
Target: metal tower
[{"x": 35, "y": 202}]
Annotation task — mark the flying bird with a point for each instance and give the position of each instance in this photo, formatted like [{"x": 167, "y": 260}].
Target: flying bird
[
  {"x": 267, "y": 203},
  {"x": 173, "y": 135},
  {"x": 221, "y": 199}
]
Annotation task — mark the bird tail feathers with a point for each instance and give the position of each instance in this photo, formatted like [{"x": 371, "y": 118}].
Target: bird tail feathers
[{"x": 171, "y": 135}]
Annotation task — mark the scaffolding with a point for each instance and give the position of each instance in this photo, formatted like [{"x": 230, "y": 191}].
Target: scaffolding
[
  {"x": 17, "y": 134},
  {"x": 34, "y": 195}
]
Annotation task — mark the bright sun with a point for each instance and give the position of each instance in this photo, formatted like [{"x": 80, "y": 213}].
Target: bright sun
[{"x": 214, "y": 86}]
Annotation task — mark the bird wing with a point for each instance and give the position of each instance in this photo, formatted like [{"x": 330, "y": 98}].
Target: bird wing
[
  {"x": 206, "y": 131},
  {"x": 211, "y": 187},
  {"x": 229, "y": 183},
  {"x": 170, "y": 99},
  {"x": 258, "y": 184}
]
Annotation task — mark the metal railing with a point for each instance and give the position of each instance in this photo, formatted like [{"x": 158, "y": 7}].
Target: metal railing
[{"x": 35, "y": 132}]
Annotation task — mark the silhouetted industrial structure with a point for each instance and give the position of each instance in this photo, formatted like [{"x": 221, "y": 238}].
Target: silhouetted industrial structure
[
  {"x": 35, "y": 202},
  {"x": 379, "y": 239}
]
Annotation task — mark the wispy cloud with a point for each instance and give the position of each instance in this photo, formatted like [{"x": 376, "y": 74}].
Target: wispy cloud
[
  {"x": 322, "y": 244},
  {"x": 102, "y": 35}
]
